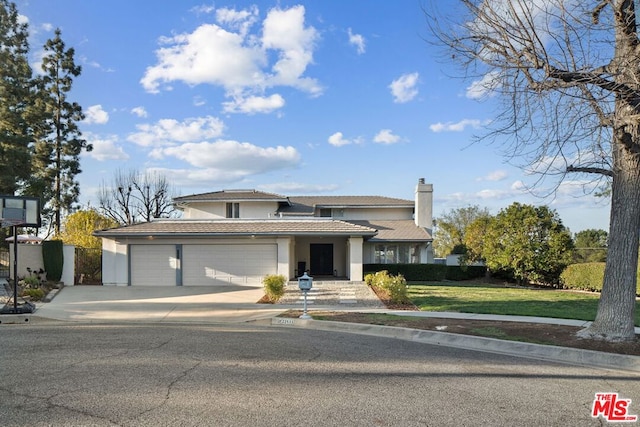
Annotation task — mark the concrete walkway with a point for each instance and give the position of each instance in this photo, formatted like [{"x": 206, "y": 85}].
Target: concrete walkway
[{"x": 156, "y": 305}]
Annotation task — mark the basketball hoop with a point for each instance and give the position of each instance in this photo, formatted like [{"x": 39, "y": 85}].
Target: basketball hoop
[
  {"x": 9, "y": 222},
  {"x": 18, "y": 211}
]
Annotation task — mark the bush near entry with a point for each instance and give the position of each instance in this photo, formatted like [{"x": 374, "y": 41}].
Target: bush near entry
[
  {"x": 395, "y": 286},
  {"x": 274, "y": 286}
]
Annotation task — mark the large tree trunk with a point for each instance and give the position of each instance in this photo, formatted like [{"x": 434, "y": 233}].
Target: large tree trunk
[{"x": 616, "y": 309}]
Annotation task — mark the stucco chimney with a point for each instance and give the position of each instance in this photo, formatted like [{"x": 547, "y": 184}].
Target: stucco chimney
[{"x": 423, "y": 215}]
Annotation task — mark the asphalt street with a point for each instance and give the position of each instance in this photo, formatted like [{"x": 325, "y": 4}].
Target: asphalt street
[{"x": 58, "y": 373}]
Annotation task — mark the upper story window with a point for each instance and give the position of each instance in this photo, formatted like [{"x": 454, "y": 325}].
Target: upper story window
[{"x": 233, "y": 210}]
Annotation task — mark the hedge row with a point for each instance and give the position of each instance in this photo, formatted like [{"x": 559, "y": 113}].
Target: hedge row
[
  {"x": 586, "y": 277},
  {"x": 429, "y": 272}
]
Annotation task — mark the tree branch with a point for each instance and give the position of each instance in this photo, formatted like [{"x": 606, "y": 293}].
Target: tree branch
[
  {"x": 595, "y": 15},
  {"x": 599, "y": 171}
]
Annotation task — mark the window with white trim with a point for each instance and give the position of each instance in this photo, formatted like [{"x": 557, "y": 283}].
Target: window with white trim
[
  {"x": 233, "y": 210},
  {"x": 397, "y": 253}
]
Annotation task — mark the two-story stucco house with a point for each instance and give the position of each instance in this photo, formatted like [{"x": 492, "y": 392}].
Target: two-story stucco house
[{"x": 239, "y": 236}]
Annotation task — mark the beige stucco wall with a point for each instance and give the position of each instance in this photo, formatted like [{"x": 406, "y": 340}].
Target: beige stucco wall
[
  {"x": 377, "y": 214},
  {"x": 218, "y": 210},
  {"x": 29, "y": 256}
]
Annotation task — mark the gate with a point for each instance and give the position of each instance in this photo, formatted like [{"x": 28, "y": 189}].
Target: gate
[
  {"x": 88, "y": 267},
  {"x": 4, "y": 263}
]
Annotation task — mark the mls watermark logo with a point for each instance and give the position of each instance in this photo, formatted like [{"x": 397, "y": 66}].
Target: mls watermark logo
[{"x": 612, "y": 408}]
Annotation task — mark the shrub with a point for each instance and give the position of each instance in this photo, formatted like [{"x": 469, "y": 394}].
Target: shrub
[
  {"x": 412, "y": 272},
  {"x": 274, "y": 286},
  {"x": 465, "y": 272},
  {"x": 395, "y": 286},
  {"x": 30, "y": 282},
  {"x": 427, "y": 272},
  {"x": 52, "y": 259},
  {"x": 368, "y": 278},
  {"x": 36, "y": 294},
  {"x": 587, "y": 277}
]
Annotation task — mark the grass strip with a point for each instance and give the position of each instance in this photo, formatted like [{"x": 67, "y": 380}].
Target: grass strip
[{"x": 482, "y": 298}]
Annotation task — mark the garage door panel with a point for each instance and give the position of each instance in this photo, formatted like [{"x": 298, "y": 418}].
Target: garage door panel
[
  {"x": 206, "y": 265},
  {"x": 153, "y": 265}
]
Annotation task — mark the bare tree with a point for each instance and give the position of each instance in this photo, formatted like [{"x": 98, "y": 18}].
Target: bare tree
[
  {"x": 568, "y": 75},
  {"x": 136, "y": 197}
]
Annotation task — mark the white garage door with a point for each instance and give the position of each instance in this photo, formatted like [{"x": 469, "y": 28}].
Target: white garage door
[
  {"x": 153, "y": 265},
  {"x": 204, "y": 265}
]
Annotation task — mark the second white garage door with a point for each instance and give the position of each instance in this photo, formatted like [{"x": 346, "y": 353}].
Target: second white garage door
[{"x": 204, "y": 265}]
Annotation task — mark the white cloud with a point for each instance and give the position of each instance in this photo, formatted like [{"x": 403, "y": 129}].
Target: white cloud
[
  {"x": 170, "y": 132},
  {"x": 202, "y": 9},
  {"x": 105, "y": 148},
  {"x": 242, "y": 62},
  {"x": 403, "y": 88},
  {"x": 338, "y": 140},
  {"x": 518, "y": 186},
  {"x": 254, "y": 104},
  {"x": 457, "y": 127},
  {"x": 241, "y": 158},
  {"x": 497, "y": 175},
  {"x": 199, "y": 101},
  {"x": 283, "y": 30},
  {"x": 386, "y": 136},
  {"x": 358, "y": 41},
  {"x": 484, "y": 87},
  {"x": 96, "y": 115},
  {"x": 208, "y": 55},
  {"x": 140, "y": 112},
  {"x": 242, "y": 20}
]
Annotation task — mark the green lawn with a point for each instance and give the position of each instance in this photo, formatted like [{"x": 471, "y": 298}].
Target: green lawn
[{"x": 476, "y": 297}]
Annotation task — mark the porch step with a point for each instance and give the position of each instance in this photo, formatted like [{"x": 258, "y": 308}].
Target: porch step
[
  {"x": 332, "y": 292},
  {"x": 348, "y": 296}
]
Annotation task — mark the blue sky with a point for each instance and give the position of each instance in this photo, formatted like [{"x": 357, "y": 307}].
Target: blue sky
[{"x": 296, "y": 98}]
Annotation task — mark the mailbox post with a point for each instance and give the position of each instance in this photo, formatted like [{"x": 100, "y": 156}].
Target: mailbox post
[{"x": 305, "y": 283}]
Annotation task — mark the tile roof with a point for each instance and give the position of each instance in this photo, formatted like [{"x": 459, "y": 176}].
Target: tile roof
[
  {"x": 396, "y": 230},
  {"x": 205, "y": 228},
  {"x": 301, "y": 205},
  {"x": 231, "y": 195}
]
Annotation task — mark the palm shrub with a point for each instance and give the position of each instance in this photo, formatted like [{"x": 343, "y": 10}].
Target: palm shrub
[{"x": 274, "y": 286}]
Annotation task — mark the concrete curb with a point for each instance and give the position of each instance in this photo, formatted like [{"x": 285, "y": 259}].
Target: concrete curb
[{"x": 491, "y": 345}]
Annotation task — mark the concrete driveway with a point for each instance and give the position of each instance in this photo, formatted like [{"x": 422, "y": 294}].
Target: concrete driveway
[{"x": 151, "y": 304}]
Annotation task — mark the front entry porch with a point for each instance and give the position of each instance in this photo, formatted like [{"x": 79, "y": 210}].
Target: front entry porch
[{"x": 323, "y": 258}]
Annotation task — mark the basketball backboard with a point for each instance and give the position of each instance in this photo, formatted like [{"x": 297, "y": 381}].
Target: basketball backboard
[{"x": 19, "y": 211}]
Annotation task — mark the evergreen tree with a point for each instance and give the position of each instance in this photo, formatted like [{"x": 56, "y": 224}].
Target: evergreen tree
[
  {"x": 57, "y": 150},
  {"x": 15, "y": 97}
]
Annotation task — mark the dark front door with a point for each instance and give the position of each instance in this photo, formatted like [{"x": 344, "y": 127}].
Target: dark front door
[{"x": 321, "y": 259}]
